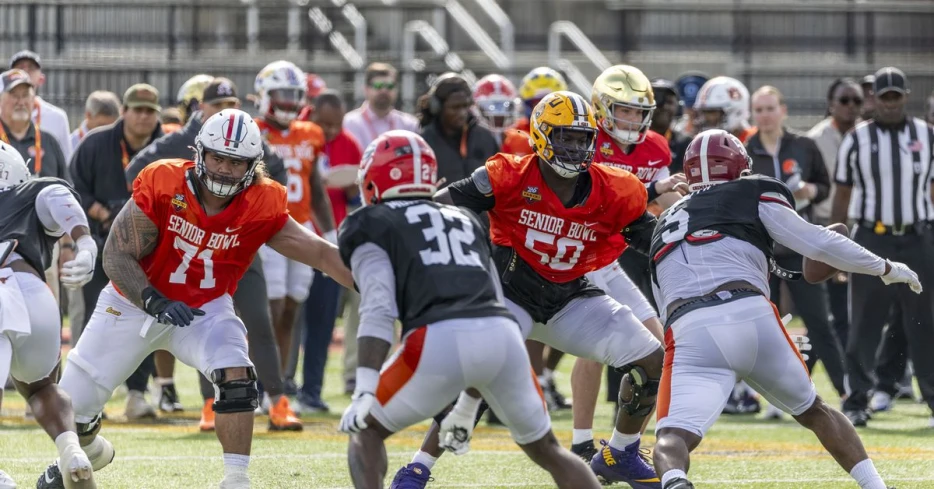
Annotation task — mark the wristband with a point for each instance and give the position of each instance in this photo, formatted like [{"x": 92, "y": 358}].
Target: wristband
[
  {"x": 653, "y": 193},
  {"x": 367, "y": 380}
]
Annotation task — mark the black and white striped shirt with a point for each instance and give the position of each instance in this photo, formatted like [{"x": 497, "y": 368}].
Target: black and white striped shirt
[{"x": 890, "y": 172}]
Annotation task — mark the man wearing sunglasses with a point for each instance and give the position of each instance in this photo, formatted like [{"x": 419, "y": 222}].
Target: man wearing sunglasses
[{"x": 378, "y": 114}]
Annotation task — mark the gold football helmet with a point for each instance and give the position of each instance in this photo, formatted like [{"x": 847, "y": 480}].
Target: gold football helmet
[
  {"x": 624, "y": 86},
  {"x": 563, "y": 132},
  {"x": 191, "y": 93},
  {"x": 540, "y": 82}
]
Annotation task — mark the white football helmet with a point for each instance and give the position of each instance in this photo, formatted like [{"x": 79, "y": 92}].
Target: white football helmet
[
  {"x": 281, "y": 88},
  {"x": 13, "y": 168},
  {"x": 231, "y": 133},
  {"x": 728, "y": 95}
]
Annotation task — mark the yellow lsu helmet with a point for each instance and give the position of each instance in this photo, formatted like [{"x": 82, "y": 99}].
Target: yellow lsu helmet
[
  {"x": 625, "y": 86},
  {"x": 191, "y": 94},
  {"x": 563, "y": 132},
  {"x": 540, "y": 82}
]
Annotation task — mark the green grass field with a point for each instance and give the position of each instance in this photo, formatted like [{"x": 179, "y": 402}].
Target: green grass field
[{"x": 738, "y": 452}]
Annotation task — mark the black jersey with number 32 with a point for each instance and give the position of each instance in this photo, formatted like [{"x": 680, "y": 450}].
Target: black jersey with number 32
[
  {"x": 726, "y": 209},
  {"x": 19, "y": 221},
  {"x": 440, "y": 255}
]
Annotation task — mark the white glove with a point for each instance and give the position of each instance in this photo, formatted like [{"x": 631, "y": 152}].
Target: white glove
[
  {"x": 457, "y": 426},
  {"x": 354, "y": 418},
  {"x": 899, "y": 273},
  {"x": 802, "y": 342},
  {"x": 79, "y": 271}
]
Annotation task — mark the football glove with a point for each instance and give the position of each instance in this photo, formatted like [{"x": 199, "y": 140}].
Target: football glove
[
  {"x": 167, "y": 311},
  {"x": 802, "y": 342},
  {"x": 457, "y": 426},
  {"x": 899, "y": 273},
  {"x": 354, "y": 418},
  {"x": 80, "y": 270}
]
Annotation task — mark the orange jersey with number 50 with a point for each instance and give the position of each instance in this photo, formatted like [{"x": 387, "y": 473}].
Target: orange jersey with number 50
[
  {"x": 561, "y": 243},
  {"x": 199, "y": 258},
  {"x": 299, "y": 147}
]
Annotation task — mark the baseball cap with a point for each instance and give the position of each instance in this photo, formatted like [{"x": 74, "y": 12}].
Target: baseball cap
[
  {"x": 142, "y": 95},
  {"x": 26, "y": 54},
  {"x": 13, "y": 78},
  {"x": 869, "y": 79},
  {"x": 220, "y": 90},
  {"x": 890, "y": 79},
  {"x": 663, "y": 84}
]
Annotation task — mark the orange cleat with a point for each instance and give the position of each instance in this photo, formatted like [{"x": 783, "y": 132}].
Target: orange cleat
[
  {"x": 207, "y": 415},
  {"x": 282, "y": 418}
]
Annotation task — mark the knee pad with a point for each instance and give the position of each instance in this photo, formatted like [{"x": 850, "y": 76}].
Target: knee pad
[
  {"x": 89, "y": 429},
  {"x": 641, "y": 387},
  {"x": 235, "y": 396}
]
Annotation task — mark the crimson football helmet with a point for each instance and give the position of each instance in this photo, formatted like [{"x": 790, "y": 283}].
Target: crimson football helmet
[
  {"x": 498, "y": 102},
  {"x": 715, "y": 156},
  {"x": 397, "y": 164}
]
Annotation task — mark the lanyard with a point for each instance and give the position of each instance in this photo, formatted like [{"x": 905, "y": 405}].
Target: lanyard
[
  {"x": 37, "y": 146},
  {"x": 371, "y": 127},
  {"x": 125, "y": 157}
]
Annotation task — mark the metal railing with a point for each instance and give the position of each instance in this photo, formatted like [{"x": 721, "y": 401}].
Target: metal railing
[
  {"x": 411, "y": 65},
  {"x": 561, "y": 29}
]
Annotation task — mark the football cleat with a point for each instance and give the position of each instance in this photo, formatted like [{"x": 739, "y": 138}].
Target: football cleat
[
  {"x": 772, "y": 412},
  {"x": 168, "y": 399},
  {"x": 629, "y": 465},
  {"x": 412, "y": 476},
  {"x": 281, "y": 417},
  {"x": 51, "y": 478},
  {"x": 6, "y": 482},
  {"x": 585, "y": 450},
  {"x": 554, "y": 399},
  {"x": 207, "y": 415},
  {"x": 137, "y": 407},
  {"x": 880, "y": 402},
  {"x": 235, "y": 481},
  {"x": 679, "y": 483},
  {"x": 857, "y": 417}
]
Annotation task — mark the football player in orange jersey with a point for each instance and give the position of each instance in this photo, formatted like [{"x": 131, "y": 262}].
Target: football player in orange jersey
[
  {"x": 553, "y": 218},
  {"x": 281, "y": 88},
  {"x": 174, "y": 257}
]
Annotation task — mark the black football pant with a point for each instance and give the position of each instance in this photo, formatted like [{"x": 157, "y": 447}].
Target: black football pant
[
  {"x": 892, "y": 356},
  {"x": 871, "y": 303},
  {"x": 811, "y": 304}
]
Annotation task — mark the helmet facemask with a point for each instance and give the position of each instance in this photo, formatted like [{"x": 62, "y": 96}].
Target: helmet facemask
[
  {"x": 497, "y": 113},
  {"x": 284, "y": 104},
  {"x": 625, "y": 131},
  {"x": 572, "y": 150},
  {"x": 223, "y": 185}
]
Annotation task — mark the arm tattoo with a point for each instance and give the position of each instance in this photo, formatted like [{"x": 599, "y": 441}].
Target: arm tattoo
[
  {"x": 372, "y": 352},
  {"x": 132, "y": 237},
  {"x": 321, "y": 203}
]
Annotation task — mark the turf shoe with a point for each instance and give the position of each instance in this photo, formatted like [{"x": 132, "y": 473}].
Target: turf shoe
[{"x": 628, "y": 465}]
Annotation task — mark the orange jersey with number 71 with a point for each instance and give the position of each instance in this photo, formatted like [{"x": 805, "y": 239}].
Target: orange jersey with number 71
[
  {"x": 198, "y": 257},
  {"x": 561, "y": 243}
]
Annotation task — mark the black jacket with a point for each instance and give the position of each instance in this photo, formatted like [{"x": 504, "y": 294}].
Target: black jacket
[
  {"x": 53, "y": 160},
  {"x": 180, "y": 144},
  {"x": 481, "y": 145},
  {"x": 98, "y": 174},
  {"x": 798, "y": 158}
]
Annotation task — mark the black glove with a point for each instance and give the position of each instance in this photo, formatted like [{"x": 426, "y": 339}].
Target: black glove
[{"x": 168, "y": 311}]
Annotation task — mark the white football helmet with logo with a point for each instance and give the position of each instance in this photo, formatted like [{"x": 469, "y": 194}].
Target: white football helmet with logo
[
  {"x": 13, "y": 168},
  {"x": 281, "y": 89},
  {"x": 230, "y": 133},
  {"x": 728, "y": 95}
]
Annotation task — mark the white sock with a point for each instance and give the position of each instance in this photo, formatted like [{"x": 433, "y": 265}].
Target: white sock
[
  {"x": 68, "y": 439},
  {"x": 161, "y": 381},
  {"x": 672, "y": 475},
  {"x": 866, "y": 475},
  {"x": 542, "y": 380},
  {"x": 425, "y": 459},
  {"x": 95, "y": 448},
  {"x": 581, "y": 436},
  {"x": 548, "y": 374},
  {"x": 620, "y": 441},
  {"x": 235, "y": 463}
]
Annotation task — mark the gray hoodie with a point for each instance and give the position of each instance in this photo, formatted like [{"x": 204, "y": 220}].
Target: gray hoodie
[{"x": 180, "y": 144}]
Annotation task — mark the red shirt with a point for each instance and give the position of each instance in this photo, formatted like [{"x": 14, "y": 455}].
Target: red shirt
[
  {"x": 645, "y": 161},
  {"x": 342, "y": 151},
  {"x": 561, "y": 244},
  {"x": 200, "y": 258}
]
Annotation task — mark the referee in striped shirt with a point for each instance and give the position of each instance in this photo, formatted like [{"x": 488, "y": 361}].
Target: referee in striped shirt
[{"x": 883, "y": 176}]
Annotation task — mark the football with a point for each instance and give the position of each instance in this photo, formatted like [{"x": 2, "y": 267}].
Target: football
[{"x": 816, "y": 272}]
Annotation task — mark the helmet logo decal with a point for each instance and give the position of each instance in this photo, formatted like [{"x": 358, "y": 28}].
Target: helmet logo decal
[{"x": 230, "y": 126}]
